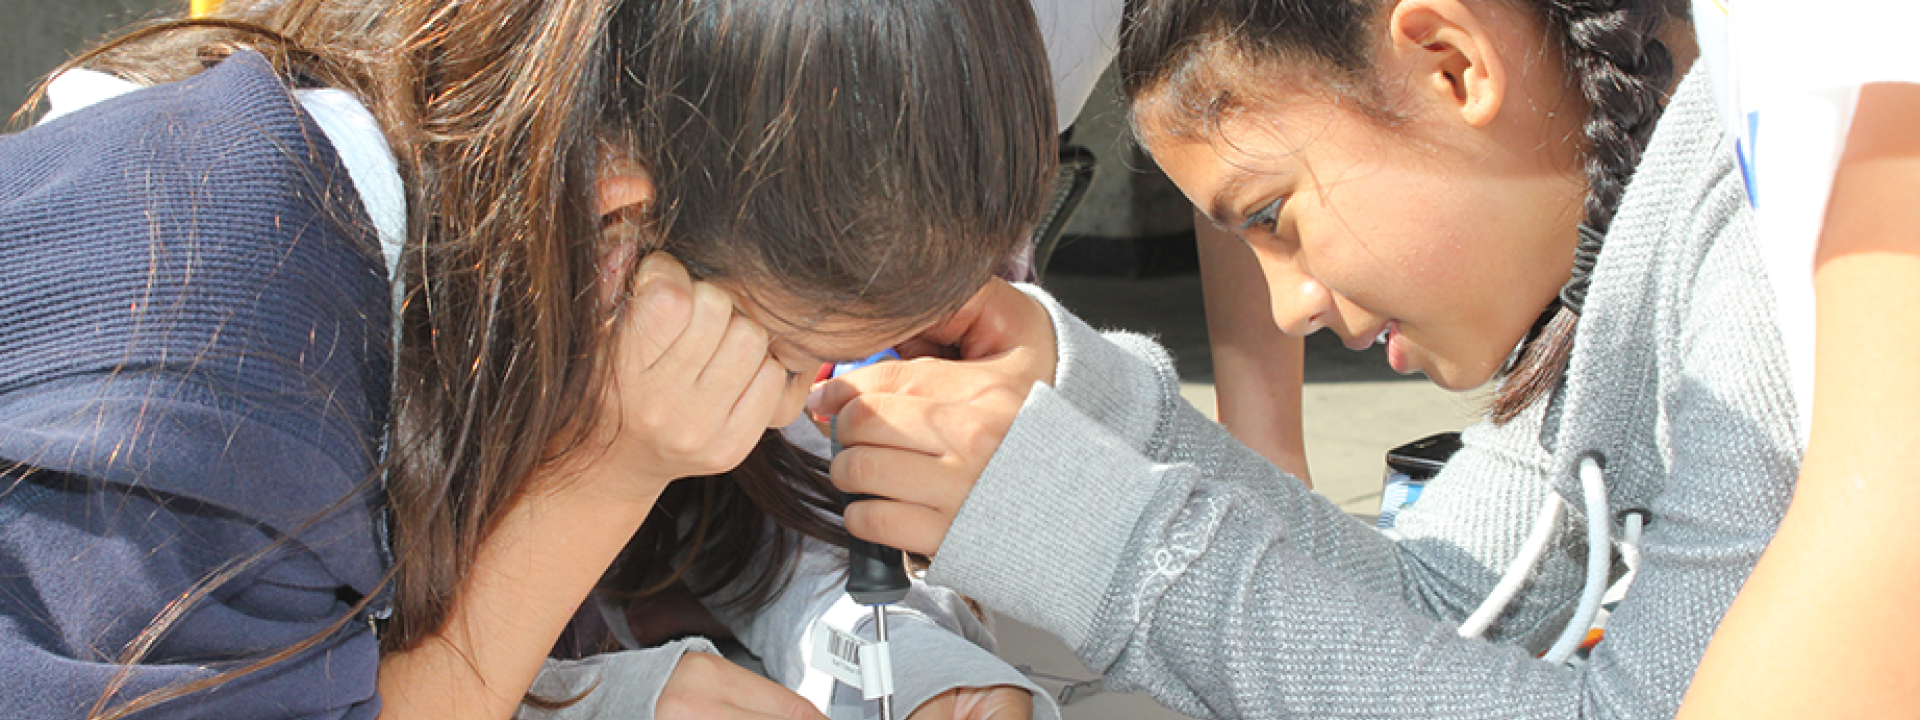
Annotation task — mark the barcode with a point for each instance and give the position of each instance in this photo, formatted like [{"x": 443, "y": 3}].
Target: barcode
[{"x": 845, "y": 647}]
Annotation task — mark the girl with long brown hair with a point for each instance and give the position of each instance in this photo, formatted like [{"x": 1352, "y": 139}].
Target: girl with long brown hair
[{"x": 625, "y": 235}]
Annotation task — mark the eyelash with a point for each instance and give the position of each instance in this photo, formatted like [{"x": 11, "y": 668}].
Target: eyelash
[{"x": 1265, "y": 218}]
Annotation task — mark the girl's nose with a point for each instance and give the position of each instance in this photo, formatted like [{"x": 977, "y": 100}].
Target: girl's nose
[
  {"x": 1300, "y": 303},
  {"x": 793, "y": 399}
]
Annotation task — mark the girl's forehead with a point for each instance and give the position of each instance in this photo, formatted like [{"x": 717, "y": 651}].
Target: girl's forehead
[
  {"x": 825, "y": 334},
  {"x": 843, "y": 344}
]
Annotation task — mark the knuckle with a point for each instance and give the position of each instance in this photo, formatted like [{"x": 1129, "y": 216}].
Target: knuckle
[
  {"x": 883, "y": 521},
  {"x": 857, "y": 411},
  {"x": 751, "y": 332},
  {"x": 850, "y": 469},
  {"x": 681, "y": 444}
]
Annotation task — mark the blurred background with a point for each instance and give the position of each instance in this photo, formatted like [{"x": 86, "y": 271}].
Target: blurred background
[{"x": 36, "y": 35}]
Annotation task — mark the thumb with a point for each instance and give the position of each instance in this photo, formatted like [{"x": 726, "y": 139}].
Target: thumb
[{"x": 1000, "y": 702}]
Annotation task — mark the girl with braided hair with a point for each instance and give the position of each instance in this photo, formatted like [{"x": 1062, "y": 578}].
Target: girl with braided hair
[{"x": 1517, "y": 192}]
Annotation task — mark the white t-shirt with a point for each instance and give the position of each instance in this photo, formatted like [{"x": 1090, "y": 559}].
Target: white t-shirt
[
  {"x": 1082, "y": 37},
  {"x": 1786, "y": 76}
]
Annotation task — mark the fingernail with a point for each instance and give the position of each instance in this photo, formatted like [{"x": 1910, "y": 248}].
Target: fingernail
[
  {"x": 813, "y": 400},
  {"x": 649, "y": 267}
]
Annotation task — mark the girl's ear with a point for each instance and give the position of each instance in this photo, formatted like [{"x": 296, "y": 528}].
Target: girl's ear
[
  {"x": 621, "y": 188},
  {"x": 1450, "y": 54},
  {"x": 623, "y": 184}
]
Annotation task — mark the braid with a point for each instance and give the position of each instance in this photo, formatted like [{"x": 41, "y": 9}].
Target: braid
[{"x": 1613, "y": 51}]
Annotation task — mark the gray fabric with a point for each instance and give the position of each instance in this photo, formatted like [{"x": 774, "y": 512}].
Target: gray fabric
[
  {"x": 1176, "y": 561},
  {"x": 937, "y": 645},
  {"x": 936, "y": 642},
  {"x": 622, "y": 685}
]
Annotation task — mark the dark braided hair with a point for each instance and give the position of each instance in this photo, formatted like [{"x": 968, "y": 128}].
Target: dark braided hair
[{"x": 1611, "y": 50}]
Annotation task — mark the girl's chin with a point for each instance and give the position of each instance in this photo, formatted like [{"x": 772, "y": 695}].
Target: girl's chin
[
  {"x": 1406, "y": 358},
  {"x": 1457, "y": 378}
]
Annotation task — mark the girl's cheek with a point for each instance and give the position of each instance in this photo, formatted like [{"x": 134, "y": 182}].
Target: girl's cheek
[{"x": 793, "y": 399}]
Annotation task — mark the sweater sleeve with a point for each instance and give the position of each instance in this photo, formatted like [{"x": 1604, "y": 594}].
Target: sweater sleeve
[
  {"x": 623, "y": 685},
  {"x": 1444, "y": 554},
  {"x": 1238, "y": 590},
  {"x": 192, "y": 396},
  {"x": 1215, "y": 582},
  {"x": 85, "y": 565}
]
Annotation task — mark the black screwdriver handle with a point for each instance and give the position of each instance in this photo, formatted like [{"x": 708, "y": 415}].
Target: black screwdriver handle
[{"x": 876, "y": 574}]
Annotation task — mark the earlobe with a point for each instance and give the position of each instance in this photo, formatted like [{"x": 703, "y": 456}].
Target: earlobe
[{"x": 1451, "y": 54}]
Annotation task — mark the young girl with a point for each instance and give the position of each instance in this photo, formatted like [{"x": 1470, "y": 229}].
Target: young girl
[
  {"x": 1453, "y": 179},
  {"x": 625, "y": 234}
]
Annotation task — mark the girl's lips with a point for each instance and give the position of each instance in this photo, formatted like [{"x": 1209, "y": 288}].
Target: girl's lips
[
  {"x": 1362, "y": 342},
  {"x": 1396, "y": 348}
]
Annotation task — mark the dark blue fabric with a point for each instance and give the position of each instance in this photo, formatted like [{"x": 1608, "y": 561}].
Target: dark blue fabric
[{"x": 194, "y": 361}]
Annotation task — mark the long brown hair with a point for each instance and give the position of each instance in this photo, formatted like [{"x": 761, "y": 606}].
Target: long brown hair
[
  {"x": 873, "y": 159},
  {"x": 1611, "y": 51}
]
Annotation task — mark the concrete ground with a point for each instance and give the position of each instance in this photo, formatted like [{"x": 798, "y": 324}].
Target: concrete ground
[{"x": 1355, "y": 408}]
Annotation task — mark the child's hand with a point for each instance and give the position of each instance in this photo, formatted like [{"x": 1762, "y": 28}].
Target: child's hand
[
  {"x": 1000, "y": 702},
  {"x": 709, "y": 687},
  {"x": 1001, "y": 327},
  {"x": 917, "y": 435},
  {"x": 690, "y": 387}
]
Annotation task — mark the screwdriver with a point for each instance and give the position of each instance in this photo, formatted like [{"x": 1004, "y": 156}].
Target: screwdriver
[
  {"x": 877, "y": 577},
  {"x": 876, "y": 574}
]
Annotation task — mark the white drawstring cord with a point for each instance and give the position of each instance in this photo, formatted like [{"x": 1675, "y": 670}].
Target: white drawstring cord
[
  {"x": 1517, "y": 571},
  {"x": 1599, "y": 556},
  {"x": 1630, "y": 540}
]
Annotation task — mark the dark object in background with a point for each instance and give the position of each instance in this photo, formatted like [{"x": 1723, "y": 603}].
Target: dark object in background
[
  {"x": 1076, "y": 175},
  {"x": 1409, "y": 467}
]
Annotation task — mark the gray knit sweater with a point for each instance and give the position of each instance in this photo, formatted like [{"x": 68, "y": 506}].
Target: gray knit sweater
[{"x": 1174, "y": 560}]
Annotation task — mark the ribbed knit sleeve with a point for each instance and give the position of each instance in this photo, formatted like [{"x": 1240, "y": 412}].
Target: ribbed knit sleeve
[
  {"x": 193, "y": 388},
  {"x": 195, "y": 304}
]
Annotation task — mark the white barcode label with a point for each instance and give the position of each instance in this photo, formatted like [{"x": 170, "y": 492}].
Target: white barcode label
[
  {"x": 861, "y": 664},
  {"x": 836, "y": 652}
]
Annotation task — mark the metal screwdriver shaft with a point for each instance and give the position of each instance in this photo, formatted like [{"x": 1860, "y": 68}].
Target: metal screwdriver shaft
[{"x": 877, "y": 577}]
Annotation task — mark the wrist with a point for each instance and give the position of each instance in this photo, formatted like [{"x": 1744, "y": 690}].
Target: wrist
[
  {"x": 604, "y": 492},
  {"x": 595, "y": 471}
]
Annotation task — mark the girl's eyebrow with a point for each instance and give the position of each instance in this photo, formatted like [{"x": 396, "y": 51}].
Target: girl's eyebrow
[
  {"x": 1221, "y": 204},
  {"x": 816, "y": 354}
]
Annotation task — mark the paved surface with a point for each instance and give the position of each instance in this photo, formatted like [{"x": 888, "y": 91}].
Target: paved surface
[{"x": 1355, "y": 407}]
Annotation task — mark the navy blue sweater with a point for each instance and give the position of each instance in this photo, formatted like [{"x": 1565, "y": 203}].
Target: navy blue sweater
[{"x": 194, "y": 367}]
